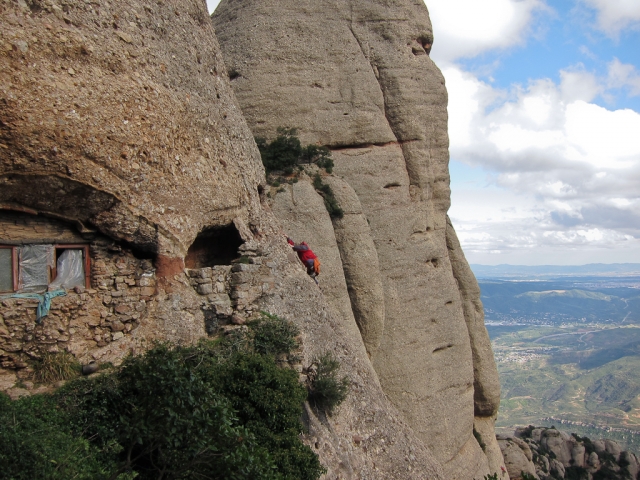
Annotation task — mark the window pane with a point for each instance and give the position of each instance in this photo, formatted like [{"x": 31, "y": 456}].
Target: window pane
[
  {"x": 35, "y": 261},
  {"x": 6, "y": 270},
  {"x": 70, "y": 269}
]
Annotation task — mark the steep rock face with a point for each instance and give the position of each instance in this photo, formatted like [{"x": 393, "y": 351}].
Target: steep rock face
[
  {"x": 119, "y": 131},
  {"x": 119, "y": 126},
  {"x": 356, "y": 76}
]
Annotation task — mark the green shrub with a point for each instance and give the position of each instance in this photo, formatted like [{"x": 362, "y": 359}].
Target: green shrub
[
  {"x": 203, "y": 411},
  {"x": 170, "y": 421},
  {"x": 576, "y": 473},
  {"x": 330, "y": 201},
  {"x": 53, "y": 367},
  {"x": 326, "y": 391},
  {"x": 283, "y": 152},
  {"x": 493, "y": 476},
  {"x": 36, "y": 441},
  {"x": 269, "y": 401},
  {"x": 526, "y": 432},
  {"x": 321, "y": 156},
  {"x": 273, "y": 335},
  {"x": 286, "y": 152},
  {"x": 191, "y": 412},
  {"x": 526, "y": 476}
]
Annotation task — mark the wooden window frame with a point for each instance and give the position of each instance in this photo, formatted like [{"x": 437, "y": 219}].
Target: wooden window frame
[
  {"x": 87, "y": 260},
  {"x": 14, "y": 265}
]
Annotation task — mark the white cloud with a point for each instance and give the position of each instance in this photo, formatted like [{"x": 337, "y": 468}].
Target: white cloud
[
  {"x": 567, "y": 169},
  {"x": 478, "y": 26},
  {"x": 623, "y": 75},
  {"x": 615, "y": 15}
]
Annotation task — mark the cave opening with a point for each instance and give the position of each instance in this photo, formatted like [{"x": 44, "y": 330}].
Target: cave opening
[{"x": 214, "y": 246}]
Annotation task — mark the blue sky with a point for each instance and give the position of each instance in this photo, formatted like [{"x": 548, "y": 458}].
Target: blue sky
[{"x": 544, "y": 127}]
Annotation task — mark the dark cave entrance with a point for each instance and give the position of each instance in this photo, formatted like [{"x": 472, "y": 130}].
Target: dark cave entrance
[{"x": 214, "y": 246}]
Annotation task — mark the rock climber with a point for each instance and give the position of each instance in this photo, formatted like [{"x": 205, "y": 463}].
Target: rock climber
[{"x": 307, "y": 257}]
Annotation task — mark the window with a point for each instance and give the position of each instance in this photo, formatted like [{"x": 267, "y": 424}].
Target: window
[
  {"x": 36, "y": 268},
  {"x": 8, "y": 268},
  {"x": 72, "y": 266}
]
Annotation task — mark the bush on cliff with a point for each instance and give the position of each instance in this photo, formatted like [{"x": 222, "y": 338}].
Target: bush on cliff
[
  {"x": 174, "y": 412},
  {"x": 330, "y": 201},
  {"x": 326, "y": 390},
  {"x": 37, "y": 441},
  {"x": 286, "y": 152}
]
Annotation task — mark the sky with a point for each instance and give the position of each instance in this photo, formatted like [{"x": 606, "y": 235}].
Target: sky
[{"x": 544, "y": 127}]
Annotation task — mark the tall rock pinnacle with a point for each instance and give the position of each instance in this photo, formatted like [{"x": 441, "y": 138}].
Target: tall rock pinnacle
[{"x": 356, "y": 76}]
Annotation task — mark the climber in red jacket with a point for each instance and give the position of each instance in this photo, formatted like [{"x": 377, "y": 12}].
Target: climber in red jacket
[{"x": 307, "y": 257}]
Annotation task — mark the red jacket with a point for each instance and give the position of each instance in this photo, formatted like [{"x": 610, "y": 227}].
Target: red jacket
[{"x": 303, "y": 250}]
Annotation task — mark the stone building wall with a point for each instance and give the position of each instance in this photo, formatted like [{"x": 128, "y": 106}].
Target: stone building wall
[{"x": 85, "y": 319}]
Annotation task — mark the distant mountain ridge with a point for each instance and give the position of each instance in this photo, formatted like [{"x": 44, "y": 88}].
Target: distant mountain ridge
[{"x": 591, "y": 269}]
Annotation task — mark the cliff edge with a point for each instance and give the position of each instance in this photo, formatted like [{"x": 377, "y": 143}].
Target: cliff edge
[{"x": 356, "y": 76}]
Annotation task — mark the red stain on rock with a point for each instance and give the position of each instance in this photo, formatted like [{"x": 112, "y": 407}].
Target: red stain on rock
[{"x": 167, "y": 267}]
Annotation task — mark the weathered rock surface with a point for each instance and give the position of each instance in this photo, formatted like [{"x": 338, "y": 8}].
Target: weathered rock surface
[
  {"x": 517, "y": 457},
  {"x": 122, "y": 115},
  {"x": 356, "y": 76},
  {"x": 556, "y": 454}
]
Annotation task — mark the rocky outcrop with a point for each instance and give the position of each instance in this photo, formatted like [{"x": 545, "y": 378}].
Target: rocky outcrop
[
  {"x": 547, "y": 453},
  {"x": 119, "y": 130},
  {"x": 356, "y": 77},
  {"x": 518, "y": 458}
]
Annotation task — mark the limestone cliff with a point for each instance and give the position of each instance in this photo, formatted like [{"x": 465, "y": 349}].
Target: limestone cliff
[
  {"x": 121, "y": 139},
  {"x": 356, "y": 76}
]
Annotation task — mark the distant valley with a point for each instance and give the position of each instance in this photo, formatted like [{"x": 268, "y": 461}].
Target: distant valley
[{"x": 567, "y": 347}]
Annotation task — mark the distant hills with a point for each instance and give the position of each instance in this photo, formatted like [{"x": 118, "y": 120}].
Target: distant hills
[
  {"x": 567, "y": 344},
  {"x": 551, "y": 271}
]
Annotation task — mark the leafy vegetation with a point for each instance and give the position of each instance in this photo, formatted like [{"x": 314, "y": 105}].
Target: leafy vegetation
[
  {"x": 286, "y": 152},
  {"x": 273, "y": 335},
  {"x": 326, "y": 391},
  {"x": 220, "y": 409},
  {"x": 36, "y": 441},
  {"x": 330, "y": 201}
]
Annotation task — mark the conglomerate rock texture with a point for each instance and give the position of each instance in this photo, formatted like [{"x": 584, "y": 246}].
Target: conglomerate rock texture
[
  {"x": 356, "y": 76},
  {"x": 117, "y": 120}
]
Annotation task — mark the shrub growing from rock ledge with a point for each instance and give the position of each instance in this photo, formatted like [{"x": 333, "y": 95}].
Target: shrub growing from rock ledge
[
  {"x": 326, "y": 391},
  {"x": 273, "y": 335},
  {"x": 286, "y": 152},
  {"x": 330, "y": 201}
]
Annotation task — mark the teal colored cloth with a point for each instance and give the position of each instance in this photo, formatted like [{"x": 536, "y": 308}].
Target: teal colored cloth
[{"x": 44, "y": 301}]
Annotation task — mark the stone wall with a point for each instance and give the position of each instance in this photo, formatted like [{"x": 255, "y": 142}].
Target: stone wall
[{"x": 84, "y": 320}]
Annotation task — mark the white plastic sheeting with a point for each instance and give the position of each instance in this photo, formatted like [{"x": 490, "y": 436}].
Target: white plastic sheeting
[
  {"x": 70, "y": 270},
  {"x": 35, "y": 262}
]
